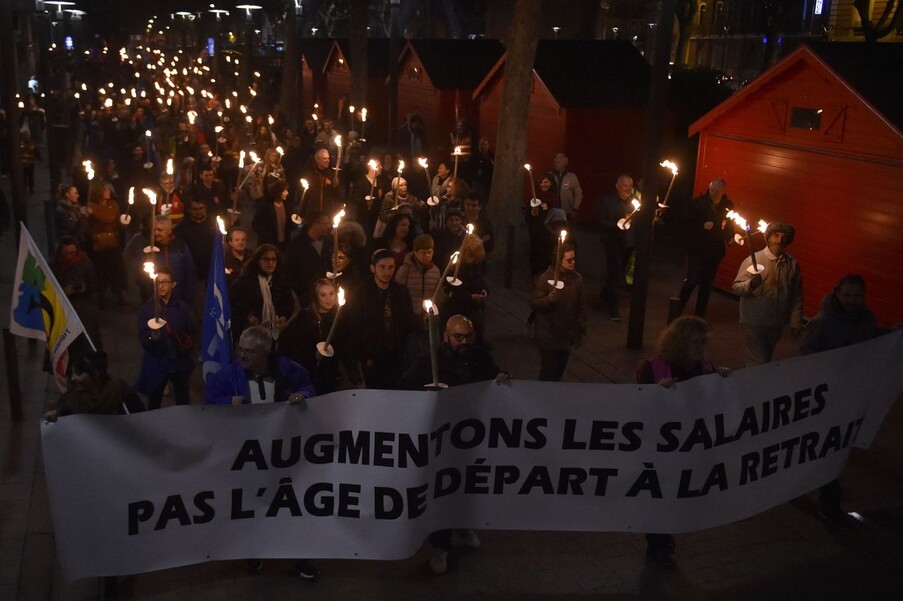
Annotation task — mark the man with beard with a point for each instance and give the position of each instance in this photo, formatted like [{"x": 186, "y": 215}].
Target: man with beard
[{"x": 460, "y": 362}]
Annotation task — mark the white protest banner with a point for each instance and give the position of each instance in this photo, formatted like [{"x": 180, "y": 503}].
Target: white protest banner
[{"x": 368, "y": 474}]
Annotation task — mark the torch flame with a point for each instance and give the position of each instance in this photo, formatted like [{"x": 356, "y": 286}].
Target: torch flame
[
  {"x": 270, "y": 119},
  {"x": 149, "y": 270},
  {"x": 241, "y": 159},
  {"x": 469, "y": 229},
  {"x": 338, "y": 218},
  {"x": 218, "y": 128},
  {"x": 636, "y": 204},
  {"x": 253, "y": 156},
  {"x": 341, "y": 296},
  {"x": 669, "y": 165},
  {"x": 363, "y": 114},
  {"x": 528, "y": 167},
  {"x": 305, "y": 184},
  {"x": 457, "y": 150},
  {"x": 763, "y": 225},
  {"x": 221, "y": 224},
  {"x": 564, "y": 234},
  {"x": 89, "y": 169},
  {"x": 132, "y": 195},
  {"x": 191, "y": 117},
  {"x": 372, "y": 164},
  {"x": 338, "y": 141},
  {"x": 351, "y": 109},
  {"x": 148, "y": 133},
  {"x": 736, "y": 218},
  {"x": 428, "y": 305},
  {"x": 151, "y": 195},
  {"x": 454, "y": 256},
  {"x": 422, "y": 162},
  {"x": 169, "y": 170},
  {"x": 400, "y": 167}
]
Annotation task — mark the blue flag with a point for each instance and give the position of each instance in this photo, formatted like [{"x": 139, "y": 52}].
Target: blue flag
[{"x": 216, "y": 330}]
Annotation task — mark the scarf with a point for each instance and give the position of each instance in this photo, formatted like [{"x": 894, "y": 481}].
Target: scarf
[{"x": 267, "y": 311}]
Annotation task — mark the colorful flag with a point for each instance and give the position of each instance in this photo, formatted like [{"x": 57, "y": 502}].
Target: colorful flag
[
  {"x": 216, "y": 330},
  {"x": 40, "y": 308}
]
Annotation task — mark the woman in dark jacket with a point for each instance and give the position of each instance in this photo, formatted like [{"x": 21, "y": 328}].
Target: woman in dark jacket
[
  {"x": 260, "y": 296},
  {"x": 273, "y": 221},
  {"x": 311, "y": 326}
]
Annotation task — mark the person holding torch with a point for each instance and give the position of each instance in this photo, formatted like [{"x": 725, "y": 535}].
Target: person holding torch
[
  {"x": 709, "y": 231},
  {"x": 559, "y": 314},
  {"x": 770, "y": 298},
  {"x": 167, "y": 348}
]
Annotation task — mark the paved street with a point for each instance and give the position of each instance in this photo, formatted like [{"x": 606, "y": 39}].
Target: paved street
[{"x": 784, "y": 553}]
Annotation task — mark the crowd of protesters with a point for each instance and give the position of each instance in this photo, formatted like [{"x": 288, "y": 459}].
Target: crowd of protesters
[{"x": 329, "y": 232}]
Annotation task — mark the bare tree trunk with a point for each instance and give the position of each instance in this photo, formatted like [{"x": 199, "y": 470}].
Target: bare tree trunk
[
  {"x": 290, "y": 93},
  {"x": 358, "y": 39},
  {"x": 655, "y": 117},
  {"x": 887, "y": 22},
  {"x": 508, "y": 179}
]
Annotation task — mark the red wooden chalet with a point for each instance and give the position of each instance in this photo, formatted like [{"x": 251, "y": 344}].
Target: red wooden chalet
[
  {"x": 587, "y": 101},
  {"x": 817, "y": 141},
  {"x": 439, "y": 77},
  {"x": 314, "y": 52},
  {"x": 337, "y": 71}
]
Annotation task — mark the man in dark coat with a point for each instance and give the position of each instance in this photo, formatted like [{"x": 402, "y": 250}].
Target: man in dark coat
[
  {"x": 383, "y": 320},
  {"x": 708, "y": 232},
  {"x": 460, "y": 362},
  {"x": 618, "y": 243},
  {"x": 197, "y": 232},
  {"x": 309, "y": 254},
  {"x": 323, "y": 195}
]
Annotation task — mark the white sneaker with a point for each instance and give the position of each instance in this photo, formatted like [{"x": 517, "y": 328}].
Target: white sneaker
[
  {"x": 439, "y": 561},
  {"x": 468, "y": 538}
]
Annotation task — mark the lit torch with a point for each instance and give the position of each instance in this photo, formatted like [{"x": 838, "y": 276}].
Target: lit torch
[
  {"x": 127, "y": 218},
  {"x": 556, "y": 283},
  {"x": 624, "y": 222},
  {"x": 336, "y": 222},
  {"x": 152, "y": 199},
  {"x": 296, "y": 217},
  {"x": 534, "y": 202},
  {"x": 156, "y": 322},
  {"x": 431, "y": 200},
  {"x": 432, "y": 311},
  {"x": 325, "y": 348},
  {"x": 754, "y": 268}
]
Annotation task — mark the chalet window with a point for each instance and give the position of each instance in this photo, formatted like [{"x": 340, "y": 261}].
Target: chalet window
[{"x": 804, "y": 118}]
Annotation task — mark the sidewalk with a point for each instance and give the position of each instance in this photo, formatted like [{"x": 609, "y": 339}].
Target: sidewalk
[{"x": 784, "y": 553}]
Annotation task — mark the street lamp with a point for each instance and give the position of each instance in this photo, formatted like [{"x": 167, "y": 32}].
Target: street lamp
[
  {"x": 248, "y": 8},
  {"x": 59, "y": 6}
]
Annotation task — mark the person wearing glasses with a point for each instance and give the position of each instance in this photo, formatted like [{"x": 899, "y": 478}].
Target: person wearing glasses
[
  {"x": 559, "y": 314},
  {"x": 460, "y": 362},
  {"x": 168, "y": 349},
  {"x": 261, "y": 296}
]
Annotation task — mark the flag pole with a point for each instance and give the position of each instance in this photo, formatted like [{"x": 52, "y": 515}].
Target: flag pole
[{"x": 33, "y": 245}]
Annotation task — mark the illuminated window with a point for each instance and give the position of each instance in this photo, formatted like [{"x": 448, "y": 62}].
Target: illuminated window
[{"x": 805, "y": 118}]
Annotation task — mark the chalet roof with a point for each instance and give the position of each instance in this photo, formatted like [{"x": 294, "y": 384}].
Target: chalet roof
[
  {"x": 460, "y": 64},
  {"x": 592, "y": 73},
  {"x": 377, "y": 56},
  {"x": 873, "y": 70},
  {"x": 316, "y": 51},
  {"x": 869, "y": 71},
  {"x": 588, "y": 73}
]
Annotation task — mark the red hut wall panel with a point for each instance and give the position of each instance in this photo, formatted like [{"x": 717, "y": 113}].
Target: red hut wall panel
[
  {"x": 842, "y": 226},
  {"x": 594, "y": 157},
  {"x": 338, "y": 82},
  {"x": 846, "y": 125},
  {"x": 377, "y": 111},
  {"x": 416, "y": 89}
]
